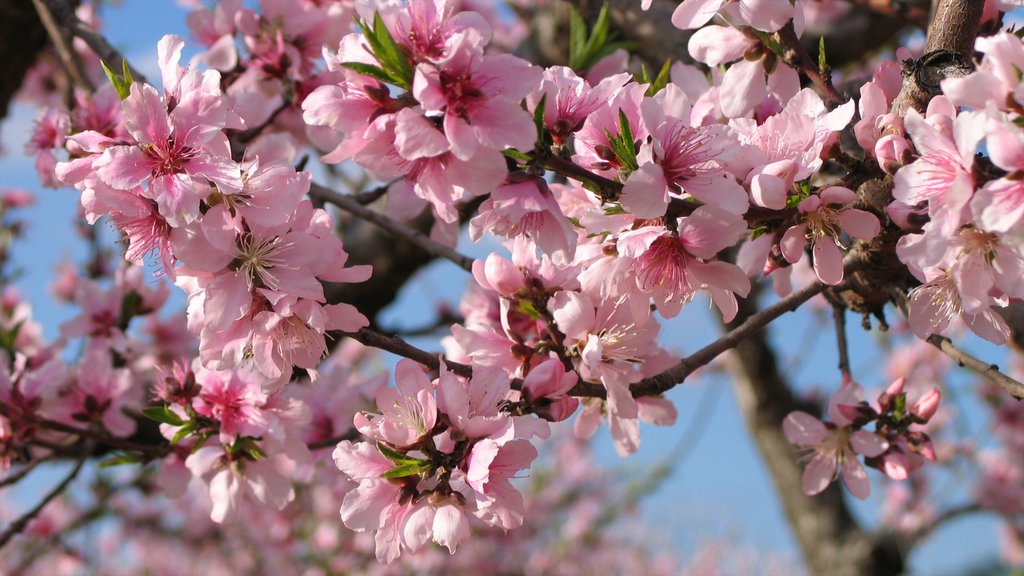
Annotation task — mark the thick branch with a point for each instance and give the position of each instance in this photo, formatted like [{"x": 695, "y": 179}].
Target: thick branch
[{"x": 953, "y": 29}]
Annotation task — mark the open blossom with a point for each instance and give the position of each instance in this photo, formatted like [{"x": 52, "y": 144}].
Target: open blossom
[
  {"x": 407, "y": 413},
  {"x": 673, "y": 266},
  {"x": 824, "y": 216},
  {"x": 480, "y": 105},
  {"x": 834, "y": 447}
]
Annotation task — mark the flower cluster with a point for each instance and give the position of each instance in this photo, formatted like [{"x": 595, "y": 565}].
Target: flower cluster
[{"x": 893, "y": 447}]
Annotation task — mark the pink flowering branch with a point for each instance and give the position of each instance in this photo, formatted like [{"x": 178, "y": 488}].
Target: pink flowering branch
[
  {"x": 22, "y": 521},
  {"x": 354, "y": 207},
  {"x": 665, "y": 381}
]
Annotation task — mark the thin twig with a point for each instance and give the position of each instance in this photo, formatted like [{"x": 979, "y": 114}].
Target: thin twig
[
  {"x": 64, "y": 13},
  {"x": 149, "y": 450},
  {"x": 610, "y": 189},
  {"x": 945, "y": 516},
  {"x": 397, "y": 345},
  {"x": 68, "y": 58},
  {"x": 666, "y": 380},
  {"x": 29, "y": 466},
  {"x": 798, "y": 59},
  {"x": 839, "y": 319},
  {"x": 18, "y": 525},
  {"x": 352, "y": 206},
  {"x": 991, "y": 371}
]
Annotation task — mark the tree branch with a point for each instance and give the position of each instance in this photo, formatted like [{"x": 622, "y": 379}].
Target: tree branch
[
  {"x": 21, "y": 522},
  {"x": 396, "y": 345},
  {"x": 352, "y": 206},
  {"x": 64, "y": 13},
  {"x": 953, "y": 29},
  {"x": 798, "y": 59},
  {"x": 60, "y": 39}
]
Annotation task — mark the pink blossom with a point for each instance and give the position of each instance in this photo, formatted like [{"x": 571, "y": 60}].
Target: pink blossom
[
  {"x": 407, "y": 414},
  {"x": 824, "y": 217},
  {"x": 835, "y": 451}
]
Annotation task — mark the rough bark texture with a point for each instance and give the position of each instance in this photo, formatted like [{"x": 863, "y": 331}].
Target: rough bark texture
[
  {"x": 832, "y": 542},
  {"x": 22, "y": 37}
]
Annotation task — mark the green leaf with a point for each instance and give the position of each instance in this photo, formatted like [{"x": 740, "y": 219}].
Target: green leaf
[
  {"x": 163, "y": 414},
  {"x": 121, "y": 459},
  {"x": 614, "y": 209},
  {"x": 598, "y": 35},
  {"x": 249, "y": 446},
  {"x": 585, "y": 49},
  {"x": 758, "y": 232},
  {"x": 526, "y": 307},
  {"x": 577, "y": 38},
  {"x": 644, "y": 77},
  {"x": 126, "y": 72},
  {"x": 9, "y": 337},
  {"x": 390, "y": 54},
  {"x": 822, "y": 64},
  {"x": 122, "y": 85},
  {"x": 659, "y": 83},
  {"x": 406, "y": 469},
  {"x": 538, "y": 118},
  {"x": 370, "y": 70},
  {"x": 184, "y": 431},
  {"x": 394, "y": 455},
  {"x": 623, "y": 145},
  {"x": 199, "y": 443},
  {"x": 516, "y": 155}
]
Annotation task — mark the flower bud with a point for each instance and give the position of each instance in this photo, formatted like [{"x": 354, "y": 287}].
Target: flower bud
[{"x": 925, "y": 408}]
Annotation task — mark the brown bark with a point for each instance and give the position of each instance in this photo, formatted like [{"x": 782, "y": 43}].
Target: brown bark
[{"x": 22, "y": 38}]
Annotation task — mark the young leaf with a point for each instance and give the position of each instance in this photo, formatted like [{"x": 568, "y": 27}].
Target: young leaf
[
  {"x": 538, "y": 118},
  {"x": 184, "y": 431},
  {"x": 120, "y": 459},
  {"x": 822, "y": 64},
  {"x": 370, "y": 70},
  {"x": 162, "y": 414},
  {"x": 394, "y": 455},
  {"x": 390, "y": 55},
  {"x": 659, "y": 83},
  {"x": 405, "y": 469},
  {"x": 121, "y": 86},
  {"x": 577, "y": 39}
]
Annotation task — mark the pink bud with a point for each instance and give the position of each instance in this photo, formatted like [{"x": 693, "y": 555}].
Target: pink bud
[
  {"x": 891, "y": 151},
  {"x": 926, "y": 407}
]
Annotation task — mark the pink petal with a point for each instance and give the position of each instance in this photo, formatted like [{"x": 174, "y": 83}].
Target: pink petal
[
  {"x": 859, "y": 223},
  {"x": 868, "y": 444},
  {"x": 743, "y": 88},
  {"x": 803, "y": 429},
  {"x": 819, "y": 474},
  {"x": 855, "y": 477},
  {"x": 828, "y": 262}
]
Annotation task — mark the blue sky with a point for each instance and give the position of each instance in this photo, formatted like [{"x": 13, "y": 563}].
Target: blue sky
[{"x": 719, "y": 490}]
